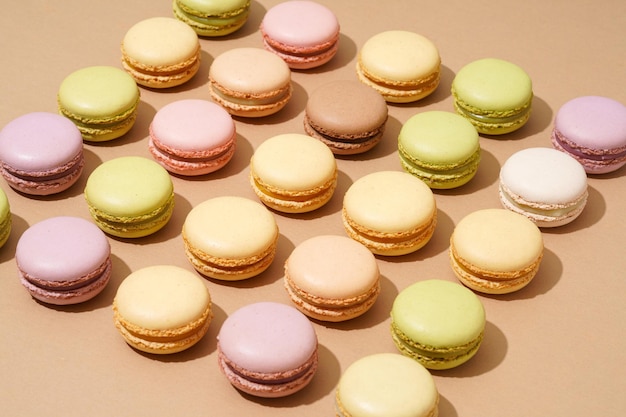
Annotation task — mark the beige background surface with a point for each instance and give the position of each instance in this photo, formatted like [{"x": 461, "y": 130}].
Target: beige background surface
[{"x": 556, "y": 348}]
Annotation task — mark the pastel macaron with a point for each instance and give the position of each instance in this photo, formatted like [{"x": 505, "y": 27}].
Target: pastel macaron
[
  {"x": 386, "y": 385},
  {"x": 332, "y": 278},
  {"x": 130, "y": 196},
  {"x": 305, "y": 34},
  {"x": 192, "y": 137},
  {"x": 495, "y": 251},
  {"x": 212, "y": 18},
  {"x": 6, "y": 218},
  {"x": 161, "y": 52},
  {"x": 41, "y": 153},
  {"x": 392, "y": 213},
  {"x": 162, "y": 309},
  {"x": 250, "y": 82},
  {"x": 347, "y": 116},
  {"x": 63, "y": 260},
  {"x": 293, "y": 173},
  {"x": 268, "y": 349},
  {"x": 438, "y": 323},
  {"x": 401, "y": 65},
  {"x": 101, "y": 100},
  {"x": 494, "y": 94},
  {"x": 545, "y": 185},
  {"x": 440, "y": 148},
  {"x": 592, "y": 129},
  {"x": 230, "y": 238}
]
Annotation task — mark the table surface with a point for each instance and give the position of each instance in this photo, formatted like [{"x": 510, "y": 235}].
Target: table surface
[{"x": 554, "y": 348}]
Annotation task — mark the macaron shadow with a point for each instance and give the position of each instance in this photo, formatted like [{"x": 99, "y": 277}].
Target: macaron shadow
[
  {"x": 18, "y": 226},
  {"x": 139, "y": 131},
  {"x": 488, "y": 173},
  {"x": 322, "y": 384},
  {"x": 441, "y": 93},
  {"x": 346, "y": 52},
  {"x": 540, "y": 119},
  {"x": 592, "y": 213},
  {"x": 250, "y": 27},
  {"x": 292, "y": 110},
  {"x": 490, "y": 355},
  {"x": 388, "y": 144},
  {"x": 199, "y": 79}
]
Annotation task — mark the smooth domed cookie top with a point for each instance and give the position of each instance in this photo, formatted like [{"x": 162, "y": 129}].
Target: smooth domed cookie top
[
  {"x": 439, "y": 313},
  {"x": 267, "y": 337},
  {"x": 160, "y": 41},
  {"x": 493, "y": 84},
  {"x": 389, "y": 201},
  {"x": 387, "y": 384},
  {"x": 162, "y": 297},
  {"x": 497, "y": 240}
]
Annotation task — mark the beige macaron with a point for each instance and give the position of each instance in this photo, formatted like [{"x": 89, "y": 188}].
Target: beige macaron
[
  {"x": 293, "y": 173},
  {"x": 230, "y": 238},
  {"x": 332, "y": 278},
  {"x": 390, "y": 212}
]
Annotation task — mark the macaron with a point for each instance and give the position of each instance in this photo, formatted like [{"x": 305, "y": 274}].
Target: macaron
[
  {"x": 192, "y": 137},
  {"x": 230, "y": 238},
  {"x": 250, "y": 82},
  {"x": 267, "y": 349},
  {"x": 592, "y": 129},
  {"x": 162, "y": 309},
  {"x": 293, "y": 173},
  {"x": 347, "y": 116},
  {"x": 130, "y": 196},
  {"x": 494, "y": 94},
  {"x": 438, "y": 323},
  {"x": 41, "y": 153},
  {"x": 63, "y": 260},
  {"x": 495, "y": 251},
  {"x": 392, "y": 213},
  {"x": 332, "y": 278},
  {"x": 6, "y": 218},
  {"x": 305, "y": 34},
  {"x": 212, "y": 18},
  {"x": 401, "y": 65},
  {"x": 440, "y": 148},
  {"x": 101, "y": 100},
  {"x": 545, "y": 185},
  {"x": 161, "y": 52},
  {"x": 386, "y": 385}
]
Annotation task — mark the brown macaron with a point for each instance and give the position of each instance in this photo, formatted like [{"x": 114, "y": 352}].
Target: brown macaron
[{"x": 348, "y": 116}]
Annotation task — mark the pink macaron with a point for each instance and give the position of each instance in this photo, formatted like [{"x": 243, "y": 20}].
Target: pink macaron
[
  {"x": 268, "y": 349},
  {"x": 63, "y": 260},
  {"x": 192, "y": 137},
  {"x": 592, "y": 129},
  {"x": 305, "y": 34},
  {"x": 41, "y": 153}
]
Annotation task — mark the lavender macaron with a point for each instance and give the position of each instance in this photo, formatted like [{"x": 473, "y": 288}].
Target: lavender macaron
[{"x": 41, "y": 153}]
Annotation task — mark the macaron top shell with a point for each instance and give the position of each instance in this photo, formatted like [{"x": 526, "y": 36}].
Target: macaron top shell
[
  {"x": 439, "y": 137},
  {"x": 389, "y": 201},
  {"x": 544, "y": 175},
  {"x": 162, "y": 297},
  {"x": 332, "y": 267},
  {"x": 347, "y": 109},
  {"x": 497, "y": 240},
  {"x": 160, "y": 41},
  {"x": 294, "y": 162},
  {"x": 193, "y": 125},
  {"x": 439, "y": 313},
  {"x": 230, "y": 227},
  {"x": 39, "y": 142},
  {"x": 214, "y": 8},
  {"x": 250, "y": 70},
  {"x": 62, "y": 248},
  {"x": 593, "y": 122},
  {"x": 267, "y": 337},
  {"x": 98, "y": 92},
  {"x": 300, "y": 23},
  {"x": 399, "y": 55},
  {"x": 493, "y": 84},
  {"x": 129, "y": 186},
  {"x": 387, "y": 384}
]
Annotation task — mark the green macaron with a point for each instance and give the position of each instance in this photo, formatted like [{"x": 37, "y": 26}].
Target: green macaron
[
  {"x": 438, "y": 323},
  {"x": 440, "y": 148},
  {"x": 5, "y": 218}
]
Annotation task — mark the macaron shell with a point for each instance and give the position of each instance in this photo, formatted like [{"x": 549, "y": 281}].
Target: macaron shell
[
  {"x": 387, "y": 384},
  {"x": 5, "y": 218},
  {"x": 212, "y": 18}
]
